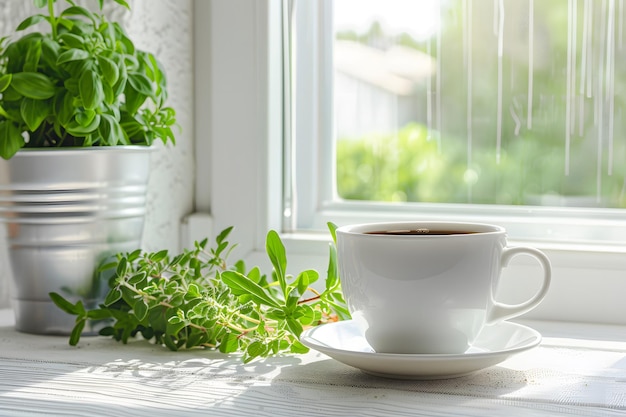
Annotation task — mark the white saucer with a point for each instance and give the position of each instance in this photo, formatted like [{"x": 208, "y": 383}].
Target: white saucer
[{"x": 345, "y": 342}]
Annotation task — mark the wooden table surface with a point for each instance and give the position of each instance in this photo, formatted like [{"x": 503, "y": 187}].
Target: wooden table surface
[{"x": 577, "y": 370}]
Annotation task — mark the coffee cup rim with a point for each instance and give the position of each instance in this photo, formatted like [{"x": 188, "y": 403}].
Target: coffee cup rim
[{"x": 477, "y": 229}]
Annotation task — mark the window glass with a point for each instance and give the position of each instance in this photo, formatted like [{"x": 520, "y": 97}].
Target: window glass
[{"x": 480, "y": 101}]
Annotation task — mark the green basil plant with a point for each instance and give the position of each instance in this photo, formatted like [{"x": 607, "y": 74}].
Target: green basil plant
[{"x": 80, "y": 83}]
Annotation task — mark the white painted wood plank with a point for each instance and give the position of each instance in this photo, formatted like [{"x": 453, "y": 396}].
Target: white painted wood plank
[{"x": 43, "y": 375}]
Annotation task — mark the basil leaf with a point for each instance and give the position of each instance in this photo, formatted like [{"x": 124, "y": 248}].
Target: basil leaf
[
  {"x": 111, "y": 131},
  {"x": 33, "y": 85},
  {"x": 73, "y": 54},
  {"x": 73, "y": 41},
  {"x": 122, "y": 2},
  {"x": 5, "y": 81},
  {"x": 30, "y": 21},
  {"x": 34, "y": 112},
  {"x": 85, "y": 118},
  {"x": 11, "y": 139},
  {"x": 134, "y": 100},
  {"x": 33, "y": 54},
  {"x": 64, "y": 108},
  {"x": 90, "y": 89},
  {"x": 79, "y": 11},
  {"x": 75, "y": 129},
  {"x": 141, "y": 84},
  {"x": 109, "y": 69}
]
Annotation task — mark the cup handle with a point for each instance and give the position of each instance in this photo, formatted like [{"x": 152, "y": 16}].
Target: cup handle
[{"x": 501, "y": 311}]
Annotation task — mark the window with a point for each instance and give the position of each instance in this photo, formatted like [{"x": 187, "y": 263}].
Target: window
[
  {"x": 484, "y": 110},
  {"x": 240, "y": 165}
]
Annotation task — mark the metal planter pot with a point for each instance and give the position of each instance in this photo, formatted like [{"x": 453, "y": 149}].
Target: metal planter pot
[{"x": 66, "y": 211}]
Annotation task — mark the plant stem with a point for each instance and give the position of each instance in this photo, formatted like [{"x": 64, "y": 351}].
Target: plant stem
[
  {"x": 308, "y": 300},
  {"x": 53, "y": 20}
]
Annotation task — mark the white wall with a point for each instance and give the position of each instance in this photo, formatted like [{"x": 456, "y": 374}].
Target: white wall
[{"x": 163, "y": 27}]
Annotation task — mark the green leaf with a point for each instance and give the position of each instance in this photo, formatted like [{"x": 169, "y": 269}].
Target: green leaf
[
  {"x": 122, "y": 2},
  {"x": 137, "y": 278},
  {"x": 11, "y": 139},
  {"x": 159, "y": 256},
  {"x": 109, "y": 96},
  {"x": 275, "y": 314},
  {"x": 34, "y": 112},
  {"x": 240, "y": 284},
  {"x": 66, "y": 23},
  {"x": 40, "y": 3},
  {"x": 109, "y": 69},
  {"x": 6, "y": 115},
  {"x": 77, "y": 331},
  {"x": 90, "y": 88},
  {"x": 134, "y": 100},
  {"x": 33, "y": 54},
  {"x": 125, "y": 43},
  {"x": 73, "y": 54},
  {"x": 193, "y": 291},
  {"x": 332, "y": 274},
  {"x": 141, "y": 84},
  {"x": 120, "y": 85},
  {"x": 302, "y": 283},
  {"x": 223, "y": 235},
  {"x": 80, "y": 307},
  {"x": 298, "y": 348},
  {"x": 49, "y": 54},
  {"x": 255, "y": 349},
  {"x": 114, "y": 295},
  {"x": 99, "y": 314},
  {"x": 77, "y": 130},
  {"x": 229, "y": 343},
  {"x": 33, "y": 85},
  {"x": 111, "y": 131},
  {"x": 306, "y": 279},
  {"x": 332, "y": 227},
  {"x": 63, "y": 304},
  {"x": 5, "y": 81},
  {"x": 85, "y": 118},
  {"x": 107, "y": 331},
  {"x": 141, "y": 309},
  {"x": 306, "y": 314},
  {"x": 72, "y": 41},
  {"x": 64, "y": 107},
  {"x": 255, "y": 274},
  {"x": 276, "y": 252},
  {"x": 292, "y": 299},
  {"x": 294, "y": 326},
  {"x": 169, "y": 342},
  {"x": 79, "y": 11},
  {"x": 30, "y": 21}
]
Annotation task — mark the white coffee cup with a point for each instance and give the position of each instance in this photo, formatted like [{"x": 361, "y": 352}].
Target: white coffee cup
[{"x": 431, "y": 291}]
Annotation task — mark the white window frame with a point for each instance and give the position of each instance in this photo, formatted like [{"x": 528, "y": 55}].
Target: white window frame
[{"x": 239, "y": 131}]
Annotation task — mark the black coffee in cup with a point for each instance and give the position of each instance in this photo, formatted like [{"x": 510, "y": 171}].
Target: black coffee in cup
[{"x": 420, "y": 232}]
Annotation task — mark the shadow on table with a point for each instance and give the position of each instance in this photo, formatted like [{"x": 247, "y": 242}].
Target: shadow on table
[
  {"x": 51, "y": 357},
  {"x": 492, "y": 382}
]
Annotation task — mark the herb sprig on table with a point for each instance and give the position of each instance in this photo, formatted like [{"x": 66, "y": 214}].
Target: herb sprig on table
[{"x": 196, "y": 299}]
